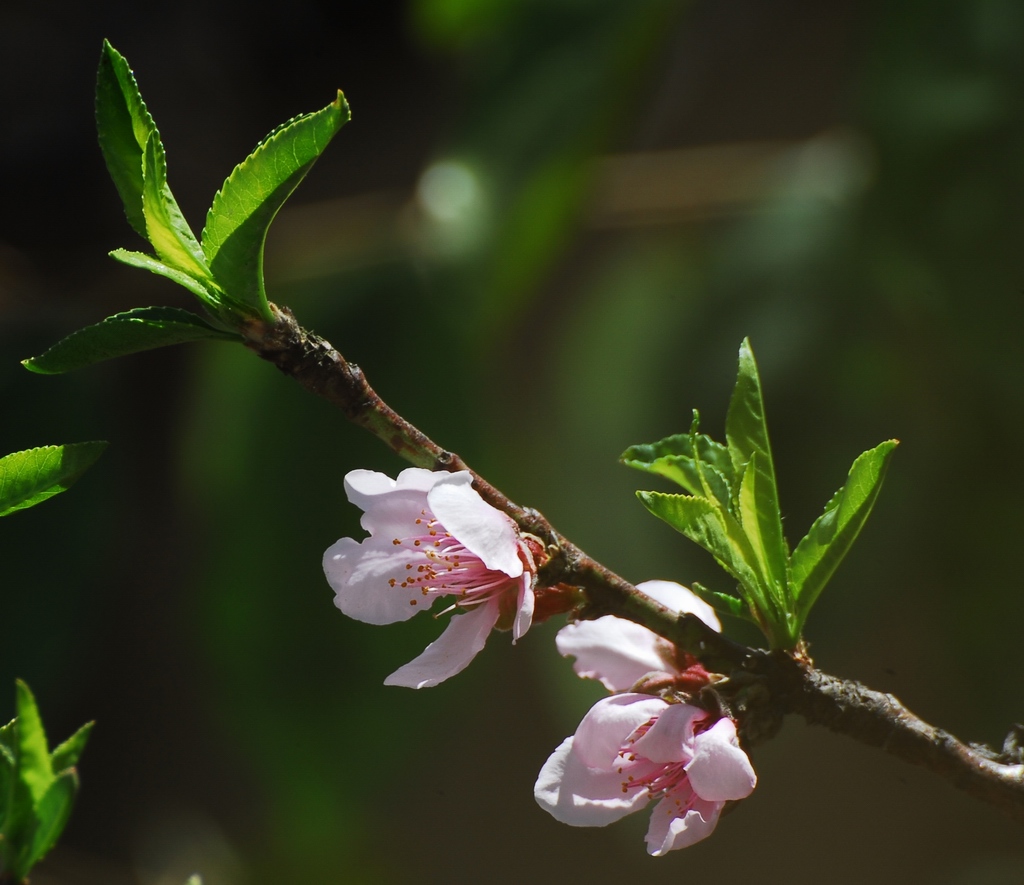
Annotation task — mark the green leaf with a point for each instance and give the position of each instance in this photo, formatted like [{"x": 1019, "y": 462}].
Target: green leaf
[
  {"x": 153, "y": 265},
  {"x": 705, "y": 523},
  {"x": 32, "y": 476},
  {"x": 713, "y": 468},
  {"x": 8, "y": 770},
  {"x": 33, "y": 754},
  {"x": 66, "y": 755},
  {"x": 723, "y": 602},
  {"x": 830, "y": 537},
  {"x": 124, "y": 126},
  {"x": 143, "y": 328},
  {"x": 136, "y": 161},
  {"x": 9, "y": 736},
  {"x": 673, "y": 458},
  {"x": 51, "y": 813},
  {"x": 747, "y": 435},
  {"x": 194, "y": 880},
  {"x": 238, "y": 220},
  {"x": 747, "y": 511},
  {"x": 15, "y": 801},
  {"x": 166, "y": 227}
]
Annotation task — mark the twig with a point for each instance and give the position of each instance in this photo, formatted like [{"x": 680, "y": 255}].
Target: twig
[
  {"x": 760, "y": 686},
  {"x": 880, "y": 720}
]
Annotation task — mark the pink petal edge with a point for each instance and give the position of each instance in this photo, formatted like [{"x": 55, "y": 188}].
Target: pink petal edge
[
  {"x": 720, "y": 770},
  {"x": 485, "y": 531},
  {"x": 580, "y": 796},
  {"x": 451, "y": 652}
]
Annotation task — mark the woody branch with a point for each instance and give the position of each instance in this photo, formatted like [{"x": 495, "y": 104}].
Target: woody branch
[{"x": 760, "y": 687}]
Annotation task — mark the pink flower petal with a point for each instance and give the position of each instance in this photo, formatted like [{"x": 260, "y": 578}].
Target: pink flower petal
[
  {"x": 613, "y": 650},
  {"x": 720, "y": 770},
  {"x": 524, "y": 607},
  {"x": 451, "y": 652},
  {"x": 486, "y": 532},
  {"x": 607, "y": 725},
  {"x": 363, "y": 486},
  {"x": 670, "y": 739},
  {"x": 390, "y": 506},
  {"x": 679, "y": 821},
  {"x": 360, "y": 575},
  {"x": 681, "y": 599},
  {"x": 581, "y": 796}
]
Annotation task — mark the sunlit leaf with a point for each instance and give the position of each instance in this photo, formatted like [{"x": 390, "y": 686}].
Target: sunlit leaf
[
  {"x": 34, "y": 768},
  {"x": 746, "y": 508},
  {"x": 830, "y": 537},
  {"x": 144, "y": 328},
  {"x": 166, "y": 227},
  {"x": 747, "y": 436},
  {"x": 32, "y": 476},
  {"x": 238, "y": 220},
  {"x": 124, "y": 126},
  {"x": 204, "y": 293},
  {"x": 66, "y": 754}
]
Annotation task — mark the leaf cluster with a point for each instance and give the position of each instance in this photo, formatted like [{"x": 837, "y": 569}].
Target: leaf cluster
[
  {"x": 37, "y": 787},
  {"x": 732, "y": 511},
  {"x": 223, "y": 268}
]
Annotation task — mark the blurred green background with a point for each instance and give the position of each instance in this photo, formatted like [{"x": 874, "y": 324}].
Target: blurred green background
[{"x": 543, "y": 235}]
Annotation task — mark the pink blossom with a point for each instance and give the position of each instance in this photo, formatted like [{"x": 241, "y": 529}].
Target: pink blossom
[
  {"x": 632, "y": 749},
  {"x": 431, "y": 536},
  {"x": 620, "y": 653}
]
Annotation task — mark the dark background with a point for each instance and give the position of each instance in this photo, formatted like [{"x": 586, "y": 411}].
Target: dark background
[{"x": 543, "y": 235}]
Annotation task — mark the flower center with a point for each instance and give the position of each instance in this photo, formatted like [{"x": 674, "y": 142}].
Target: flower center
[
  {"x": 447, "y": 568},
  {"x": 658, "y": 778}
]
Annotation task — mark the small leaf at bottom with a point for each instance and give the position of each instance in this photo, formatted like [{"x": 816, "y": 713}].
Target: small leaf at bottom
[{"x": 27, "y": 478}]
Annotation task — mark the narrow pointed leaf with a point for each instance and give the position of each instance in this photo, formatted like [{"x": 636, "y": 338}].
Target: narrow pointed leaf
[
  {"x": 237, "y": 224},
  {"x": 33, "y": 754},
  {"x": 135, "y": 158},
  {"x": 166, "y": 227},
  {"x": 747, "y": 436},
  {"x": 144, "y": 328},
  {"x": 124, "y": 126},
  {"x": 32, "y": 476},
  {"x": 67, "y": 754},
  {"x": 830, "y": 537},
  {"x": 205, "y": 293},
  {"x": 747, "y": 512},
  {"x": 724, "y": 602},
  {"x": 52, "y": 814}
]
